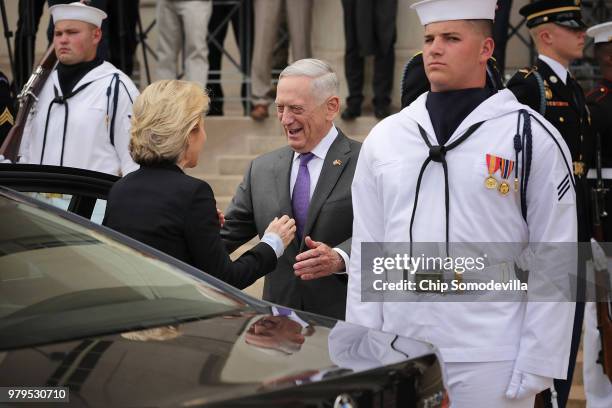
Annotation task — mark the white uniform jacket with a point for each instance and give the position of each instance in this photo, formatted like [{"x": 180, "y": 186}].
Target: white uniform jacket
[
  {"x": 536, "y": 335},
  {"x": 87, "y": 142}
]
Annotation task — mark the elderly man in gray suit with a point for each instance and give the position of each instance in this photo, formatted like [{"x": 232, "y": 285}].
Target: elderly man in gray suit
[{"x": 309, "y": 180}]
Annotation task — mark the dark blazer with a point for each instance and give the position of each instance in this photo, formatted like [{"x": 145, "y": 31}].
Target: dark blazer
[
  {"x": 264, "y": 194},
  {"x": 567, "y": 111},
  {"x": 163, "y": 207}
]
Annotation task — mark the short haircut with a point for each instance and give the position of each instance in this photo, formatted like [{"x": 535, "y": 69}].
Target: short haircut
[
  {"x": 325, "y": 81},
  {"x": 484, "y": 26},
  {"x": 163, "y": 117}
]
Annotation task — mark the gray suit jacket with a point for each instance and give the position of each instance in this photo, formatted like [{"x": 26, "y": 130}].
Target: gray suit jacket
[{"x": 264, "y": 194}]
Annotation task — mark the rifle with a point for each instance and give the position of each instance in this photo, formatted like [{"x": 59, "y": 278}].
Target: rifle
[
  {"x": 27, "y": 100},
  {"x": 598, "y": 194},
  {"x": 604, "y": 320}
]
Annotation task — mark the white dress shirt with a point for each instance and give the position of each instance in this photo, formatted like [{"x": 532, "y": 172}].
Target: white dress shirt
[
  {"x": 316, "y": 163},
  {"x": 556, "y": 66}
]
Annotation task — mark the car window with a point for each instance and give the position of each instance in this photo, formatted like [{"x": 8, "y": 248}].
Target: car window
[
  {"x": 60, "y": 280},
  {"x": 62, "y": 201},
  {"x": 98, "y": 212}
]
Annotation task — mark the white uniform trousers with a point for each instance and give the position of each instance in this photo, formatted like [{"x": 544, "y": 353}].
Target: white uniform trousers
[
  {"x": 267, "y": 21},
  {"x": 482, "y": 385},
  {"x": 597, "y": 386},
  {"x": 175, "y": 17}
]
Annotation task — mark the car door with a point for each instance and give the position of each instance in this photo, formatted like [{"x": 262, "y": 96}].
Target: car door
[{"x": 80, "y": 191}]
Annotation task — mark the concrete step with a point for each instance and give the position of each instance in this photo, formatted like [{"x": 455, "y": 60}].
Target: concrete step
[
  {"x": 221, "y": 185},
  {"x": 358, "y": 128},
  {"x": 234, "y": 164},
  {"x": 242, "y": 125},
  {"x": 260, "y": 145}
]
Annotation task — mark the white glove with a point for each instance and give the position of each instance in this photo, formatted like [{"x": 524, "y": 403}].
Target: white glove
[{"x": 526, "y": 384}]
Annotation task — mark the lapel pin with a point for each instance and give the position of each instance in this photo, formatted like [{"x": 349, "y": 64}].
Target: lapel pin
[{"x": 337, "y": 162}]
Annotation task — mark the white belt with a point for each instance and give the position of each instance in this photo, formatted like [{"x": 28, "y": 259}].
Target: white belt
[{"x": 605, "y": 174}]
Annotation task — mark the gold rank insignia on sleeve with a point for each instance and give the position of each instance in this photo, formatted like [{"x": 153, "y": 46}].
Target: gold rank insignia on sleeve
[{"x": 7, "y": 117}]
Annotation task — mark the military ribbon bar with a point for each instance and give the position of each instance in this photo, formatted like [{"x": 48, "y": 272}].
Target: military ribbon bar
[
  {"x": 493, "y": 164},
  {"x": 506, "y": 168}
]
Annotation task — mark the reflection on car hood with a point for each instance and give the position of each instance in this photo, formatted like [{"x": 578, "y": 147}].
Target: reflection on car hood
[{"x": 242, "y": 359}]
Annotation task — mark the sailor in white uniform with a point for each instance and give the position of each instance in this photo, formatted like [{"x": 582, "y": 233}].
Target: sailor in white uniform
[
  {"x": 82, "y": 117},
  {"x": 501, "y": 175}
]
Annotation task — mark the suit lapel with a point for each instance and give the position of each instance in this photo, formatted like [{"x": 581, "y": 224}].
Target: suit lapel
[
  {"x": 335, "y": 162},
  {"x": 282, "y": 172}
]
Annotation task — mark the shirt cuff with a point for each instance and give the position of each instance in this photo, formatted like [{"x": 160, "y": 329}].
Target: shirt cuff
[
  {"x": 275, "y": 241},
  {"x": 345, "y": 258}
]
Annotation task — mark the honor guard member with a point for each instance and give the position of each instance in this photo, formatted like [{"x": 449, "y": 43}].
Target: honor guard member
[
  {"x": 549, "y": 88},
  {"x": 597, "y": 386},
  {"x": 559, "y": 35},
  {"x": 599, "y": 99},
  {"x": 82, "y": 117},
  {"x": 425, "y": 175}
]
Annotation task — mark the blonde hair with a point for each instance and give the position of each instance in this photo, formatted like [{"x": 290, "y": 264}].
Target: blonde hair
[{"x": 163, "y": 116}]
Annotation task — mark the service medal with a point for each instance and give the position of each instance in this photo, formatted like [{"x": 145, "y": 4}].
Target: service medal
[
  {"x": 504, "y": 188},
  {"x": 491, "y": 183},
  {"x": 493, "y": 163},
  {"x": 506, "y": 167}
]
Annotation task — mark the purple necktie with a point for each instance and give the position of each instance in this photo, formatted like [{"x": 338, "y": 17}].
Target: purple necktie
[{"x": 301, "y": 194}]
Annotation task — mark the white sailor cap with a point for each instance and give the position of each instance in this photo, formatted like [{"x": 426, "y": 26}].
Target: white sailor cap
[
  {"x": 432, "y": 11},
  {"x": 77, "y": 11},
  {"x": 601, "y": 32}
]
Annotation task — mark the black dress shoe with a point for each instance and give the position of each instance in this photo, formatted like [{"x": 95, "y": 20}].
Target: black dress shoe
[
  {"x": 382, "y": 112},
  {"x": 350, "y": 114}
]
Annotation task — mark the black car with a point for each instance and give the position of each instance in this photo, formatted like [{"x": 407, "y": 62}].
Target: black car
[{"x": 121, "y": 324}]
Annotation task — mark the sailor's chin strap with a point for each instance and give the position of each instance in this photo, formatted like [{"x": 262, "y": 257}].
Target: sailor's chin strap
[{"x": 437, "y": 154}]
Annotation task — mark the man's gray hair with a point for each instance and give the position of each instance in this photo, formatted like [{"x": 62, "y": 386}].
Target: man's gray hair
[{"x": 325, "y": 81}]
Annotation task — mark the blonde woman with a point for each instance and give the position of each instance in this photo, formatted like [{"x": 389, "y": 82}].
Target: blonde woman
[{"x": 163, "y": 207}]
